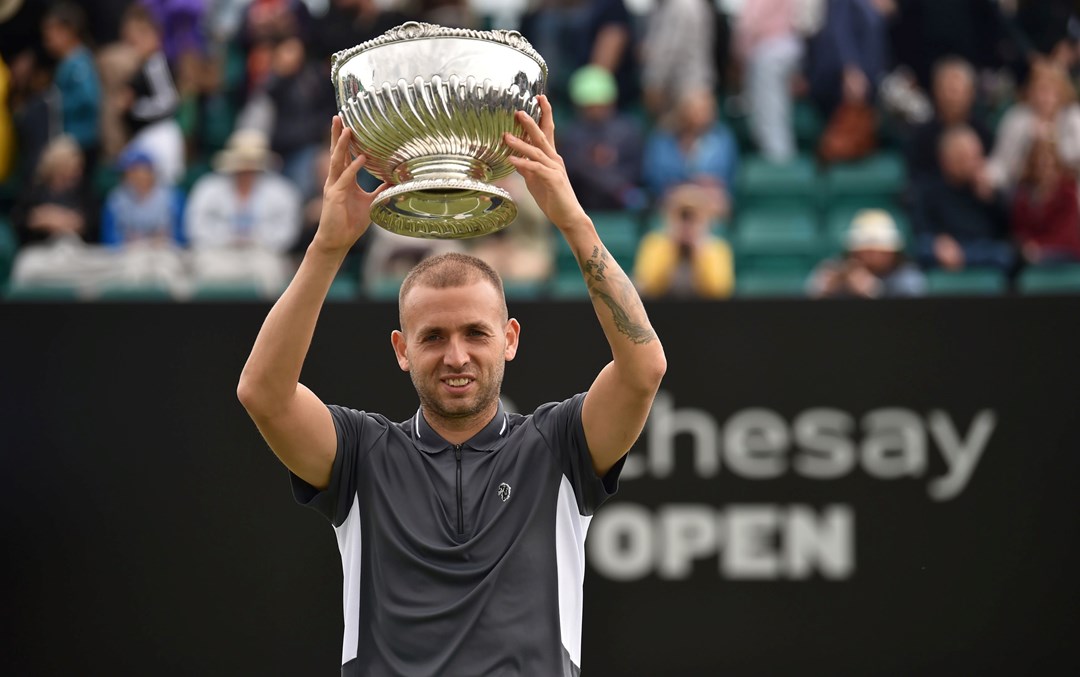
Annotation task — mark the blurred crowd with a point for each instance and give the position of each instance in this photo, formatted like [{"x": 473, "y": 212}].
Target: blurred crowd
[{"x": 828, "y": 148}]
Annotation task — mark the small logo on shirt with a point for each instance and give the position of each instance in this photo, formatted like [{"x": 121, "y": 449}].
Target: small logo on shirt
[{"x": 504, "y": 492}]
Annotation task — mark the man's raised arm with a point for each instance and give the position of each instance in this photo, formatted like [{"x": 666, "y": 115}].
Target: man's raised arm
[
  {"x": 294, "y": 422},
  {"x": 619, "y": 400}
]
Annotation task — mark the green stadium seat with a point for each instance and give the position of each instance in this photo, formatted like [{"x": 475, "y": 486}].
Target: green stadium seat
[
  {"x": 135, "y": 293},
  {"x": 882, "y": 174},
  {"x": 619, "y": 231},
  {"x": 342, "y": 289},
  {"x": 568, "y": 286},
  {"x": 8, "y": 246},
  {"x": 776, "y": 238},
  {"x": 384, "y": 290},
  {"x": 808, "y": 124},
  {"x": 524, "y": 290},
  {"x": 764, "y": 283},
  {"x": 761, "y": 182},
  {"x": 1050, "y": 279},
  {"x": 972, "y": 282},
  {"x": 43, "y": 293},
  {"x": 106, "y": 177}
]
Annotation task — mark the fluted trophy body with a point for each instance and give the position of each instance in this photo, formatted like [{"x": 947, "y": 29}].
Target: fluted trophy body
[{"x": 429, "y": 106}]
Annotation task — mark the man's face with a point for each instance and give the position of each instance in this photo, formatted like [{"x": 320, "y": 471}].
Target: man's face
[
  {"x": 962, "y": 158},
  {"x": 455, "y": 343},
  {"x": 954, "y": 93}
]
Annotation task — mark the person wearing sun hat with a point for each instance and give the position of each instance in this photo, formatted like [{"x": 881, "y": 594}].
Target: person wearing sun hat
[
  {"x": 602, "y": 148},
  {"x": 243, "y": 208},
  {"x": 873, "y": 264}
]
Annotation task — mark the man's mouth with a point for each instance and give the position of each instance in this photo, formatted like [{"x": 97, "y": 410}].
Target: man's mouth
[{"x": 458, "y": 381}]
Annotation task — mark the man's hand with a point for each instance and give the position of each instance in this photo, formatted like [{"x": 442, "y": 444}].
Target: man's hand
[
  {"x": 543, "y": 168},
  {"x": 948, "y": 252},
  {"x": 346, "y": 207}
]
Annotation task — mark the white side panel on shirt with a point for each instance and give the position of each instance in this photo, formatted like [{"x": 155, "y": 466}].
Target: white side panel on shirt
[
  {"x": 570, "y": 529},
  {"x": 348, "y": 538}
]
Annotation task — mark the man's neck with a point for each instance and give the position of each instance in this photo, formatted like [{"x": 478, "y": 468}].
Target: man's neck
[{"x": 459, "y": 430}]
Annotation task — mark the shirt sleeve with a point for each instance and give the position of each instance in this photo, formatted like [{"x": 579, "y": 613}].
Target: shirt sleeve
[
  {"x": 357, "y": 433},
  {"x": 560, "y": 426}
]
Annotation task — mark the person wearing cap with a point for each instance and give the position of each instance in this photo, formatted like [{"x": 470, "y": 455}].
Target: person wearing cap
[
  {"x": 242, "y": 218},
  {"x": 684, "y": 258},
  {"x": 243, "y": 202},
  {"x": 140, "y": 209},
  {"x": 873, "y": 265},
  {"x": 603, "y": 146}
]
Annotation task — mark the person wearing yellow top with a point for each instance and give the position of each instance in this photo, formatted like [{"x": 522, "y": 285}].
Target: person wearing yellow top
[{"x": 684, "y": 259}]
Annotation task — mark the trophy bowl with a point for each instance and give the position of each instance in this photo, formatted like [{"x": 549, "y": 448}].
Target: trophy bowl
[{"x": 428, "y": 105}]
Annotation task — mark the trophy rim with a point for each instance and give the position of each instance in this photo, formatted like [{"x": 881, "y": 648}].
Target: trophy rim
[
  {"x": 419, "y": 30},
  {"x": 420, "y": 226}
]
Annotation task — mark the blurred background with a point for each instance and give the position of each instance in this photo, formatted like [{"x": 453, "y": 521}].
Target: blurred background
[{"x": 827, "y": 485}]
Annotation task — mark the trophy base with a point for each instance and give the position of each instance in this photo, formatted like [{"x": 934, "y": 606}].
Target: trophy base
[{"x": 445, "y": 209}]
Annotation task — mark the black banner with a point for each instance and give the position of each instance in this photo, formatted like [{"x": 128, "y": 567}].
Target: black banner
[{"x": 822, "y": 489}]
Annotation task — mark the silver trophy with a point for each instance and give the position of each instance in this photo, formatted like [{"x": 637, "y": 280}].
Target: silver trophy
[{"x": 429, "y": 106}]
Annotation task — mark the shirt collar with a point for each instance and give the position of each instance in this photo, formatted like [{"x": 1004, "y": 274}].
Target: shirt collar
[{"x": 489, "y": 438}]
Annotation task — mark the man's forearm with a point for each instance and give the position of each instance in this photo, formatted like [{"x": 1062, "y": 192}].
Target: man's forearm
[
  {"x": 273, "y": 369},
  {"x": 622, "y": 316}
]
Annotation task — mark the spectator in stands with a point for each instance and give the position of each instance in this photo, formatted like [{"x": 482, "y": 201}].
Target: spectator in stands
[
  {"x": 954, "y": 104},
  {"x": 243, "y": 217},
  {"x": 1048, "y": 112},
  {"x": 266, "y": 23},
  {"x": 57, "y": 204},
  {"x": 677, "y": 53},
  {"x": 575, "y": 33},
  {"x": 63, "y": 30},
  {"x": 924, "y": 32},
  {"x": 846, "y": 59},
  {"x": 1045, "y": 29},
  {"x": 873, "y": 265},
  {"x": 692, "y": 147},
  {"x": 684, "y": 258},
  {"x": 303, "y": 101},
  {"x": 181, "y": 23},
  {"x": 959, "y": 218},
  {"x": 524, "y": 251},
  {"x": 151, "y": 100},
  {"x": 141, "y": 209},
  {"x": 452, "y": 13},
  {"x": 602, "y": 148},
  {"x": 35, "y": 112},
  {"x": 771, "y": 52},
  {"x": 348, "y": 23},
  {"x": 1046, "y": 213}
]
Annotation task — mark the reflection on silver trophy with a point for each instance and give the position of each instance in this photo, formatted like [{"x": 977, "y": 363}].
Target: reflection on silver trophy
[{"x": 429, "y": 106}]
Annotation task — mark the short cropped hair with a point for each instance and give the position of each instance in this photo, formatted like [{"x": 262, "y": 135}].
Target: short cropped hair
[
  {"x": 69, "y": 15},
  {"x": 449, "y": 270},
  {"x": 948, "y": 63}
]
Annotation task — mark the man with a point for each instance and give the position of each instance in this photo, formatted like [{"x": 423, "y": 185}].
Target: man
[
  {"x": 960, "y": 218},
  {"x": 873, "y": 265},
  {"x": 954, "y": 104},
  {"x": 461, "y": 530},
  {"x": 242, "y": 218}
]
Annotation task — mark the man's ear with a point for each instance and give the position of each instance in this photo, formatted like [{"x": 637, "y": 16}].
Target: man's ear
[
  {"x": 513, "y": 334},
  {"x": 397, "y": 339}
]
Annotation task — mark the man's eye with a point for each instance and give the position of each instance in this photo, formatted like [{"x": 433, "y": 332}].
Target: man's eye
[{"x": 431, "y": 337}]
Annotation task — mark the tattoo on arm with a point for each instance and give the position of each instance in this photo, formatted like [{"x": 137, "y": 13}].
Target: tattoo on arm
[{"x": 610, "y": 284}]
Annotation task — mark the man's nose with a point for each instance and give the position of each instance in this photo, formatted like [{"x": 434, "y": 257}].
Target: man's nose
[{"x": 456, "y": 355}]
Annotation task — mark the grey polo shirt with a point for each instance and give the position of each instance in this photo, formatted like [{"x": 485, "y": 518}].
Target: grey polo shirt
[{"x": 462, "y": 560}]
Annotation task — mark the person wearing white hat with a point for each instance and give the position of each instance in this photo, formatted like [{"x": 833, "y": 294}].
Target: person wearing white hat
[
  {"x": 873, "y": 265},
  {"x": 245, "y": 208}
]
